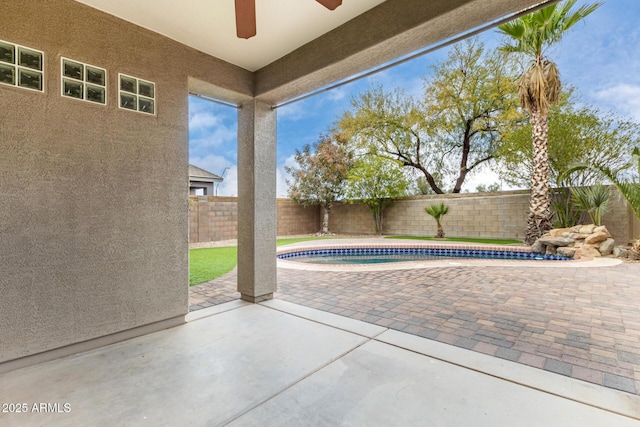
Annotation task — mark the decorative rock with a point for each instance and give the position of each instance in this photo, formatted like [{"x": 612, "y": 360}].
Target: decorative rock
[
  {"x": 606, "y": 247},
  {"x": 620, "y": 251},
  {"x": 559, "y": 232},
  {"x": 579, "y": 241},
  {"x": 538, "y": 248},
  {"x": 556, "y": 241},
  {"x": 586, "y": 251},
  {"x": 587, "y": 229},
  {"x": 566, "y": 251},
  {"x": 597, "y": 237},
  {"x": 578, "y": 236},
  {"x": 602, "y": 228}
]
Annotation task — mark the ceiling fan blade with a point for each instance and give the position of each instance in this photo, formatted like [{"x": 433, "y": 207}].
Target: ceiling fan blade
[
  {"x": 330, "y": 4},
  {"x": 245, "y": 18}
]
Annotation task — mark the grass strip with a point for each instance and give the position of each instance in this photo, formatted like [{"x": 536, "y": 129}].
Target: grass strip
[{"x": 460, "y": 239}]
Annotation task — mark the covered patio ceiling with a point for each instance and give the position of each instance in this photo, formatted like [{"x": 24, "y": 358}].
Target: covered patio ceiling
[
  {"x": 300, "y": 45},
  {"x": 209, "y": 26}
]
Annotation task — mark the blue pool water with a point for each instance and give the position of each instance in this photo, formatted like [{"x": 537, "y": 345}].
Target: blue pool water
[{"x": 383, "y": 255}]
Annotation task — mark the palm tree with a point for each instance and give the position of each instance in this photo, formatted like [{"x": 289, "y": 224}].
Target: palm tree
[
  {"x": 539, "y": 88},
  {"x": 437, "y": 212}
]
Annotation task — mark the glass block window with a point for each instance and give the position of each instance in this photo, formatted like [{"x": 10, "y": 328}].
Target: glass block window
[
  {"x": 83, "y": 81},
  {"x": 21, "y": 66},
  {"x": 137, "y": 95}
]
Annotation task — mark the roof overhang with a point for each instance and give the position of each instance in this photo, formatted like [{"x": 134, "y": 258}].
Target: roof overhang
[{"x": 300, "y": 45}]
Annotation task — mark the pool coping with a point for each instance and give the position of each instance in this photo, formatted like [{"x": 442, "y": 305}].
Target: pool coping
[{"x": 409, "y": 265}]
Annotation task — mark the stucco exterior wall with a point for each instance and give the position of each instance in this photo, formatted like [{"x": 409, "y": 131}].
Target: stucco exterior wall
[{"x": 93, "y": 218}]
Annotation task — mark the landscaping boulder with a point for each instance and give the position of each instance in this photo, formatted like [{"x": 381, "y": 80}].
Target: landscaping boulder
[
  {"x": 588, "y": 251},
  {"x": 548, "y": 240},
  {"x": 559, "y": 232},
  {"x": 538, "y": 248},
  {"x": 578, "y": 236},
  {"x": 620, "y": 251},
  {"x": 597, "y": 237},
  {"x": 602, "y": 229},
  {"x": 577, "y": 242},
  {"x": 606, "y": 247},
  {"x": 566, "y": 251},
  {"x": 586, "y": 229}
]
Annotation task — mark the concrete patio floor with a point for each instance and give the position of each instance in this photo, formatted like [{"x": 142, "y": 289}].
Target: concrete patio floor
[
  {"x": 279, "y": 363},
  {"x": 578, "y": 322}
]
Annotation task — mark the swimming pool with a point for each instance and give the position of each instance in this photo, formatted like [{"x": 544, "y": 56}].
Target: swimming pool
[{"x": 379, "y": 255}]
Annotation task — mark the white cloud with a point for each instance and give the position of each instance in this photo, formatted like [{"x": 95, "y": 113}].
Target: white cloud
[
  {"x": 218, "y": 137},
  {"x": 485, "y": 177},
  {"x": 229, "y": 187},
  {"x": 282, "y": 190},
  {"x": 292, "y": 112},
  {"x": 281, "y": 184},
  {"x": 201, "y": 120},
  {"x": 212, "y": 130},
  {"x": 336, "y": 94},
  {"x": 623, "y": 98}
]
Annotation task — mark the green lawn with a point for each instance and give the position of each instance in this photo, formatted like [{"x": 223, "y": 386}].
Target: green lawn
[
  {"x": 291, "y": 240},
  {"x": 459, "y": 239},
  {"x": 210, "y": 263}
]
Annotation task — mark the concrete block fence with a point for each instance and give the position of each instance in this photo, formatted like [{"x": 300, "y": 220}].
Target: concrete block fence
[
  {"x": 500, "y": 215},
  {"x": 216, "y": 218}
]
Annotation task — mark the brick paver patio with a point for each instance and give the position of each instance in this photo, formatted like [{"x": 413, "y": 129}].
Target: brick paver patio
[{"x": 579, "y": 322}]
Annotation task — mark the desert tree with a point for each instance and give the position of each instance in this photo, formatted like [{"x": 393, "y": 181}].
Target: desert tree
[
  {"x": 469, "y": 102},
  {"x": 376, "y": 182},
  {"x": 319, "y": 174}
]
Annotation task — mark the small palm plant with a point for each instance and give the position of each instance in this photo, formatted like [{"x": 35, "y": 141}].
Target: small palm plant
[
  {"x": 592, "y": 200},
  {"x": 437, "y": 211},
  {"x": 629, "y": 188}
]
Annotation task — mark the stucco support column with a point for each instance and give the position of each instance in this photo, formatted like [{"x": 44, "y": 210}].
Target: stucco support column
[{"x": 256, "y": 201}]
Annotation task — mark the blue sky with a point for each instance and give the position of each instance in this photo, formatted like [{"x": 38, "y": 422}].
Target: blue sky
[{"x": 599, "y": 57}]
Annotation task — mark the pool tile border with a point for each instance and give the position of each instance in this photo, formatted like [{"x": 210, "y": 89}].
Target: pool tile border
[{"x": 284, "y": 262}]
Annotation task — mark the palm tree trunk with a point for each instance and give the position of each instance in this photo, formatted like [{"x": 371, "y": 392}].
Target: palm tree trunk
[
  {"x": 440, "y": 230},
  {"x": 377, "y": 216},
  {"x": 326, "y": 208},
  {"x": 539, "y": 219}
]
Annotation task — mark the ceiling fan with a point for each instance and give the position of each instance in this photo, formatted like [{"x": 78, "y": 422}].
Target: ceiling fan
[{"x": 246, "y": 15}]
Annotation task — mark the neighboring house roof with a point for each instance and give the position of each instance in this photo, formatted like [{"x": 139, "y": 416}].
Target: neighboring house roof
[{"x": 198, "y": 174}]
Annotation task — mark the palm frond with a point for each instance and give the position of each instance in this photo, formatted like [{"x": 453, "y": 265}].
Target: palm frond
[
  {"x": 594, "y": 200},
  {"x": 437, "y": 211},
  {"x": 552, "y": 82},
  {"x": 532, "y": 34},
  {"x": 629, "y": 190}
]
